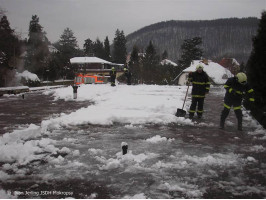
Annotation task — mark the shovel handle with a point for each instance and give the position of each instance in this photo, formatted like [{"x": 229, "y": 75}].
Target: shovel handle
[{"x": 185, "y": 98}]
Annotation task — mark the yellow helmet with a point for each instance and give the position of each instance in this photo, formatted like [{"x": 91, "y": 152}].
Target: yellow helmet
[
  {"x": 199, "y": 66},
  {"x": 242, "y": 78}
]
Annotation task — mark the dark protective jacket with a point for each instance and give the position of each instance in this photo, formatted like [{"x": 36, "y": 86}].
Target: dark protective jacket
[
  {"x": 113, "y": 73},
  {"x": 236, "y": 91},
  {"x": 200, "y": 83},
  {"x": 128, "y": 74},
  {"x": 112, "y": 77}
]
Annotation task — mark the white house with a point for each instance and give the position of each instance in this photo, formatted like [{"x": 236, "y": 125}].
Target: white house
[
  {"x": 218, "y": 74},
  {"x": 168, "y": 62},
  {"x": 52, "y": 49},
  {"x": 93, "y": 69}
]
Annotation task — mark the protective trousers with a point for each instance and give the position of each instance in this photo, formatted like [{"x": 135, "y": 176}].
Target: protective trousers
[
  {"x": 129, "y": 80},
  {"x": 112, "y": 80},
  {"x": 226, "y": 110},
  {"x": 195, "y": 101}
]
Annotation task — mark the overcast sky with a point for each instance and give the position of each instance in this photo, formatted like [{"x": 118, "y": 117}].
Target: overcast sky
[{"x": 101, "y": 18}]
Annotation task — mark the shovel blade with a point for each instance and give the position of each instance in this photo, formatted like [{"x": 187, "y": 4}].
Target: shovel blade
[{"x": 180, "y": 113}]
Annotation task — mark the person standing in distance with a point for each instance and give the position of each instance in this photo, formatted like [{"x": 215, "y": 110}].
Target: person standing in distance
[{"x": 113, "y": 76}]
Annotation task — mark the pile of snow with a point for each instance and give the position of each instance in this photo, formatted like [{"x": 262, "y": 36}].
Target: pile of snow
[
  {"x": 27, "y": 76},
  {"x": 158, "y": 138},
  {"x": 121, "y": 161},
  {"x": 168, "y": 62},
  {"x": 191, "y": 191},
  {"x": 216, "y": 72},
  {"x": 140, "y": 104},
  {"x": 25, "y": 145}
]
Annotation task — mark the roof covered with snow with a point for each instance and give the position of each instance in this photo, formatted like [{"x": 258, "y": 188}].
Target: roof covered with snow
[
  {"x": 81, "y": 60},
  {"x": 226, "y": 62},
  {"x": 168, "y": 62},
  {"x": 216, "y": 72},
  {"x": 52, "y": 49}
]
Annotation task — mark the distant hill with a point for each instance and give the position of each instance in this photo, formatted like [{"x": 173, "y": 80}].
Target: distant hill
[{"x": 230, "y": 37}]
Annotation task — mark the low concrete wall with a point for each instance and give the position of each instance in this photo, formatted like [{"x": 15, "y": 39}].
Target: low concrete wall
[
  {"x": 13, "y": 90},
  {"x": 59, "y": 82}
]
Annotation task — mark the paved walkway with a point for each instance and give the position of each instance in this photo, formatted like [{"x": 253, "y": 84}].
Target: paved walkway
[
  {"x": 207, "y": 128},
  {"x": 35, "y": 107},
  {"x": 200, "y": 159}
]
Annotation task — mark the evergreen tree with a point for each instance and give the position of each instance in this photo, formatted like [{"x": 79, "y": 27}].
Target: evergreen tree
[
  {"x": 107, "y": 52},
  {"x": 151, "y": 56},
  {"x": 134, "y": 64},
  {"x": 120, "y": 51},
  {"x": 88, "y": 47},
  {"x": 242, "y": 67},
  {"x": 37, "y": 48},
  {"x": 5, "y": 25},
  {"x": 190, "y": 51},
  {"x": 164, "y": 55},
  {"x": 54, "y": 70},
  {"x": 150, "y": 64},
  {"x": 256, "y": 66},
  {"x": 68, "y": 41},
  {"x": 134, "y": 57},
  {"x": 9, "y": 43},
  {"x": 68, "y": 49},
  {"x": 10, "y": 50},
  {"x": 6, "y": 40},
  {"x": 98, "y": 49}
]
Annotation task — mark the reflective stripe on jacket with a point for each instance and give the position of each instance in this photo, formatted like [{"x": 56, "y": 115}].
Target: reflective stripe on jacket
[
  {"x": 200, "y": 83},
  {"x": 236, "y": 91}
]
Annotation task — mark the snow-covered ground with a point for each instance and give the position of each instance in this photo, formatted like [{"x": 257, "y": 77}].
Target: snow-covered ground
[
  {"x": 168, "y": 157},
  {"x": 123, "y": 104}
]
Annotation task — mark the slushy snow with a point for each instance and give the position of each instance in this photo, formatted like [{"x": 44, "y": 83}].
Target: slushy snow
[{"x": 132, "y": 107}]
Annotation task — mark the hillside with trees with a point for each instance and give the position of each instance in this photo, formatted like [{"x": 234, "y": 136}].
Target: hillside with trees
[{"x": 220, "y": 38}]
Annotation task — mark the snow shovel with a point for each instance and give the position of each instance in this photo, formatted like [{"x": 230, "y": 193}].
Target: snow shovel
[{"x": 181, "y": 112}]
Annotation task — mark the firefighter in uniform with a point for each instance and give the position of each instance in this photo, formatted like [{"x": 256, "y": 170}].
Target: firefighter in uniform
[
  {"x": 128, "y": 75},
  {"x": 113, "y": 76},
  {"x": 236, "y": 87},
  {"x": 200, "y": 87}
]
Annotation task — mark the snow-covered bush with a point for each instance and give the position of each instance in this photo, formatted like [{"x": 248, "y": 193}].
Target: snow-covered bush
[{"x": 29, "y": 79}]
